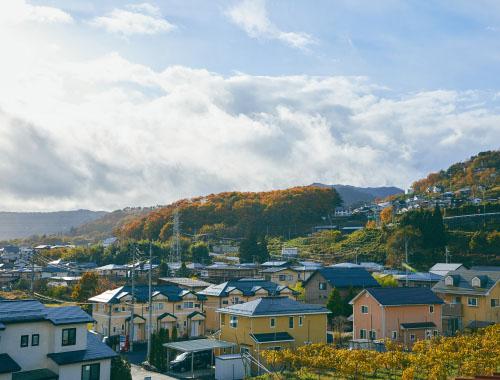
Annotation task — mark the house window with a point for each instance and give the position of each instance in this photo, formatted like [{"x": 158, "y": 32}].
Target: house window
[
  {"x": 458, "y": 300},
  {"x": 178, "y": 307},
  {"x": 431, "y": 309},
  {"x": 282, "y": 277},
  {"x": 244, "y": 350},
  {"x": 24, "y": 340},
  {"x": 91, "y": 371},
  {"x": 69, "y": 337},
  {"x": 35, "y": 339},
  {"x": 236, "y": 300},
  {"x": 373, "y": 335},
  {"x": 188, "y": 305},
  {"x": 234, "y": 321},
  {"x": 301, "y": 320},
  {"x": 435, "y": 332},
  {"x": 364, "y": 309},
  {"x": 275, "y": 348},
  {"x": 322, "y": 286},
  {"x": 472, "y": 301},
  {"x": 362, "y": 334},
  {"x": 476, "y": 282},
  {"x": 225, "y": 302},
  {"x": 272, "y": 322},
  {"x": 394, "y": 335},
  {"x": 223, "y": 319},
  {"x": 448, "y": 281},
  {"x": 290, "y": 322},
  {"x": 412, "y": 337},
  {"x": 495, "y": 302}
]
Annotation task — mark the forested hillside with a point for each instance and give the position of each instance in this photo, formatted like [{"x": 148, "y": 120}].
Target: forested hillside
[
  {"x": 236, "y": 214},
  {"x": 479, "y": 172}
]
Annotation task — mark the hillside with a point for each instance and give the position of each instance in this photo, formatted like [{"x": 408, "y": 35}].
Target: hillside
[
  {"x": 15, "y": 225},
  {"x": 353, "y": 196},
  {"x": 480, "y": 172},
  {"x": 234, "y": 214}
]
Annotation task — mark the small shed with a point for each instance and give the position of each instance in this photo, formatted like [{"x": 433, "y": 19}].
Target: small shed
[{"x": 229, "y": 367}]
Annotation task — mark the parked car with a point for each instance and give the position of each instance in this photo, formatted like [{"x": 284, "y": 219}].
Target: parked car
[{"x": 182, "y": 362}]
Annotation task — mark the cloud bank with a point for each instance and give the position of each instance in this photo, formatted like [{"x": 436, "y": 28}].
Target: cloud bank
[{"x": 106, "y": 133}]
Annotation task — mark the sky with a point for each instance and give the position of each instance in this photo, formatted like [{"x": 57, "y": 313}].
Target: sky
[{"x": 108, "y": 104}]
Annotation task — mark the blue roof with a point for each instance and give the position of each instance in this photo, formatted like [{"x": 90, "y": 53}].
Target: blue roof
[
  {"x": 422, "y": 276},
  {"x": 141, "y": 293},
  {"x": 339, "y": 277},
  {"x": 404, "y": 296},
  {"x": 96, "y": 350},
  {"x": 19, "y": 311},
  {"x": 7, "y": 364},
  {"x": 272, "y": 337},
  {"x": 273, "y": 306},
  {"x": 248, "y": 286}
]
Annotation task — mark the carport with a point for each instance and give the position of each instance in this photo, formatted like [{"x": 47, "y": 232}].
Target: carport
[{"x": 197, "y": 345}]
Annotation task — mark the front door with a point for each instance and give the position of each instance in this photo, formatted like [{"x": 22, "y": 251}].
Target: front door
[{"x": 195, "y": 328}]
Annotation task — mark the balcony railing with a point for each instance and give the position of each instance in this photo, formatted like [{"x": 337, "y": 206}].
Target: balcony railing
[{"x": 452, "y": 310}]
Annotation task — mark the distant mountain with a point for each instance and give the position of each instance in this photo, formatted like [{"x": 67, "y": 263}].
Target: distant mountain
[
  {"x": 353, "y": 196},
  {"x": 16, "y": 225}
]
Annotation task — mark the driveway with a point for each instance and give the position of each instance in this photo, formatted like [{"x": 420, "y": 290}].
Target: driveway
[{"x": 139, "y": 373}]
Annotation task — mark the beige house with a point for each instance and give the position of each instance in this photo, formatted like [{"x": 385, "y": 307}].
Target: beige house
[
  {"x": 173, "y": 307},
  {"x": 284, "y": 276},
  {"x": 235, "y": 292},
  {"x": 472, "y": 299},
  {"x": 272, "y": 323},
  {"x": 322, "y": 282},
  {"x": 404, "y": 315}
]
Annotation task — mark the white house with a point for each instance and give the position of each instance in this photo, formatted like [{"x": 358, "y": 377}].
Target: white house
[{"x": 38, "y": 342}]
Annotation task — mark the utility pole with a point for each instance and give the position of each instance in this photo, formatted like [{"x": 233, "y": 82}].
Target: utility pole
[
  {"x": 150, "y": 315},
  {"x": 446, "y": 254},
  {"x": 132, "y": 303},
  {"x": 175, "y": 249},
  {"x": 32, "y": 272},
  {"x": 406, "y": 258}
]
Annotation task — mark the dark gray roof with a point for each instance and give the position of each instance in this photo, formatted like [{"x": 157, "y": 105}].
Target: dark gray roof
[
  {"x": 484, "y": 268},
  {"x": 19, "y": 311},
  {"x": 418, "y": 325},
  {"x": 7, "y": 364},
  {"x": 141, "y": 293},
  {"x": 96, "y": 350},
  {"x": 404, "y": 296},
  {"x": 35, "y": 374},
  {"x": 272, "y": 337},
  {"x": 248, "y": 286},
  {"x": 421, "y": 276},
  {"x": 339, "y": 277},
  {"x": 463, "y": 282},
  {"x": 479, "y": 324},
  {"x": 273, "y": 306}
]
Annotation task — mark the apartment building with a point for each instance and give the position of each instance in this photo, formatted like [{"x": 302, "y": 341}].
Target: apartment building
[
  {"x": 172, "y": 307},
  {"x": 472, "y": 299},
  {"x": 38, "y": 342},
  {"x": 238, "y": 291}
]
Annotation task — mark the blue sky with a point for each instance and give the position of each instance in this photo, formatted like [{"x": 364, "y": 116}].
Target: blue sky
[{"x": 118, "y": 103}]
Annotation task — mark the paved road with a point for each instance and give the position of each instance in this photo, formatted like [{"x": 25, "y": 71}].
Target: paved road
[{"x": 139, "y": 373}]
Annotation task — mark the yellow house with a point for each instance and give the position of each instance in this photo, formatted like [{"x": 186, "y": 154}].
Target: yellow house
[
  {"x": 235, "y": 292},
  {"x": 284, "y": 276},
  {"x": 472, "y": 299},
  {"x": 272, "y": 323},
  {"x": 173, "y": 307}
]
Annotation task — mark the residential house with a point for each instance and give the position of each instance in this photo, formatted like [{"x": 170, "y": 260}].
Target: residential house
[
  {"x": 472, "y": 299},
  {"x": 173, "y": 307},
  {"x": 185, "y": 283},
  {"x": 220, "y": 272},
  {"x": 442, "y": 269},
  {"x": 112, "y": 270},
  {"x": 404, "y": 315},
  {"x": 285, "y": 276},
  {"x": 419, "y": 279},
  {"x": 50, "y": 343},
  {"x": 272, "y": 323},
  {"x": 319, "y": 286},
  {"x": 235, "y": 292},
  {"x": 305, "y": 269}
]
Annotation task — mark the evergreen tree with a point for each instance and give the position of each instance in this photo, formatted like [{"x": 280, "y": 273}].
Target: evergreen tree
[
  {"x": 263, "y": 253},
  {"x": 249, "y": 249},
  {"x": 199, "y": 253},
  {"x": 335, "y": 303},
  {"x": 183, "y": 271},
  {"x": 174, "y": 334},
  {"x": 120, "y": 369},
  {"x": 164, "y": 269}
]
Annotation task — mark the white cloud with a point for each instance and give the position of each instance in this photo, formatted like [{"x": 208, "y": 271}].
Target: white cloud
[
  {"x": 252, "y": 17},
  {"x": 136, "y": 19},
  {"x": 18, "y": 11}
]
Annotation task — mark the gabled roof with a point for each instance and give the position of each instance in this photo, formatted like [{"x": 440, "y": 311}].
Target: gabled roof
[
  {"x": 421, "y": 276},
  {"x": 112, "y": 267},
  {"x": 346, "y": 277},
  {"x": 443, "y": 268},
  {"x": 274, "y": 263},
  {"x": 248, "y": 286},
  {"x": 165, "y": 315},
  {"x": 277, "y": 269},
  {"x": 7, "y": 364},
  {"x": 273, "y": 306},
  {"x": 19, "y": 311},
  {"x": 185, "y": 281},
  {"x": 174, "y": 293},
  {"x": 462, "y": 282},
  {"x": 96, "y": 350},
  {"x": 402, "y": 296}
]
